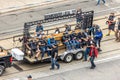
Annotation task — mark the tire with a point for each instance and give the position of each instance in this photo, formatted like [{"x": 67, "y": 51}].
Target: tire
[
  {"x": 68, "y": 58},
  {"x": 1, "y": 69},
  {"x": 79, "y": 55}
]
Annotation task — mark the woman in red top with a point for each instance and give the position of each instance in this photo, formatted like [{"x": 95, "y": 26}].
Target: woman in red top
[{"x": 93, "y": 53}]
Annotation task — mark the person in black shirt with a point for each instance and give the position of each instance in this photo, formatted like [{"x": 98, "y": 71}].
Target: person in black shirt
[
  {"x": 67, "y": 44},
  {"x": 42, "y": 46},
  {"x": 111, "y": 23},
  {"x": 39, "y": 28},
  {"x": 65, "y": 37},
  {"x": 57, "y": 31},
  {"x": 54, "y": 55},
  {"x": 117, "y": 33},
  {"x": 73, "y": 34},
  {"x": 89, "y": 41},
  {"x": 79, "y": 16},
  {"x": 31, "y": 45},
  {"x": 67, "y": 28}
]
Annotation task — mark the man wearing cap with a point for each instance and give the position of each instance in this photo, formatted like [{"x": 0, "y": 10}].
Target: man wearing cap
[
  {"x": 39, "y": 28},
  {"x": 97, "y": 38},
  {"x": 29, "y": 77}
]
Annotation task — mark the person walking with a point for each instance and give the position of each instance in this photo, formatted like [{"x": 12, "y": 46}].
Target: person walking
[
  {"x": 93, "y": 53},
  {"x": 117, "y": 32},
  {"x": 97, "y": 38},
  {"x": 54, "y": 55},
  {"x": 99, "y": 2},
  {"x": 111, "y": 23}
]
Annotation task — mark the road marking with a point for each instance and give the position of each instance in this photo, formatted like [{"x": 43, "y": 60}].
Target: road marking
[{"x": 108, "y": 59}]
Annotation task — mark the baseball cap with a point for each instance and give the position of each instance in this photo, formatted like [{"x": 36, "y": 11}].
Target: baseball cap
[{"x": 29, "y": 76}]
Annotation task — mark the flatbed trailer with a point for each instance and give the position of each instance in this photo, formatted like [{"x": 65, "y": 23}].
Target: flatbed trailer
[{"x": 66, "y": 56}]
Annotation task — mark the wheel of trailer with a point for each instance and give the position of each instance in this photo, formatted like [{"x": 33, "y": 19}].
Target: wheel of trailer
[
  {"x": 1, "y": 69},
  {"x": 79, "y": 55},
  {"x": 68, "y": 58}
]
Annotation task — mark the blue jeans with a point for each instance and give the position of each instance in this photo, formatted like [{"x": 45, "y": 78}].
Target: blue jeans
[
  {"x": 73, "y": 45},
  {"x": 92, "y": 61},
  {"x": 78, "y": 45},
  {"x": 68, "y": 46},
  {"x": 43, "y": 49},
  {"x": 97, "y": 42},
  {"x": 99, "y": 2},
  {"x": 87, "y": 51},
  {"x": 54, "y": 62}
]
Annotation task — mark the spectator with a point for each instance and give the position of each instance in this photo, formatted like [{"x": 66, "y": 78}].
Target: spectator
[
  {"x": 72, "y": 35},
  {"x": 111, "y": 23},
  {"x": 39, "y": 28},
  {"x": 78, "y": 43},
  {"x": 31, "y": 46},
  {"x": 67, "y": 44},
  {"x": 79, "y": 16},
  {"x": 74, "y": 43},
  {"x": 83, "y": 39},
  {"x": 117, "y": 33},
  {"x": 78, "y": 26},
  {"x": 65, "y": 36},
  {"x": 92, "y": 54},
  {"x": 57, "y": 31},
  {"x": 86, "y": 32},
  {"x": 67, "y": 28},
  {"x": 40, "y": 34},
  {"x": 97, "y": 37},
  {"x": 93, "y": 29},
  {"x": 42, "y": 46}
]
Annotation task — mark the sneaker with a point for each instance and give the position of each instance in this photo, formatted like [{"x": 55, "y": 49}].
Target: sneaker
[
  {"x": 84, "y": 60},
  {"x": 51, "y": 68},
  {"x": 108, "y": 35},
  {"x": 36, "y": 58},
  {"x": 92, "y": 67},
  {"x": 99, "y": 49},
  {"x": 58, "y": 67},
  {"x": 97, "y": 4}
]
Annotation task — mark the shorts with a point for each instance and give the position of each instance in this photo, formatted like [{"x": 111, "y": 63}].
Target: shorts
[{"x": 111, "y": 28}]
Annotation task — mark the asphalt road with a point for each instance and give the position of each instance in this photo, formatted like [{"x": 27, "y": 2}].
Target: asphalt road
[
  {"x": 105, "y": 71},
  {"x": 15, "y": 20}
]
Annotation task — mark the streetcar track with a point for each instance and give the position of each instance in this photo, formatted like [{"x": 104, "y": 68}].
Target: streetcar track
[
  {"x": 45, "y": 64},
  {"x": 21, "y": 30}
]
